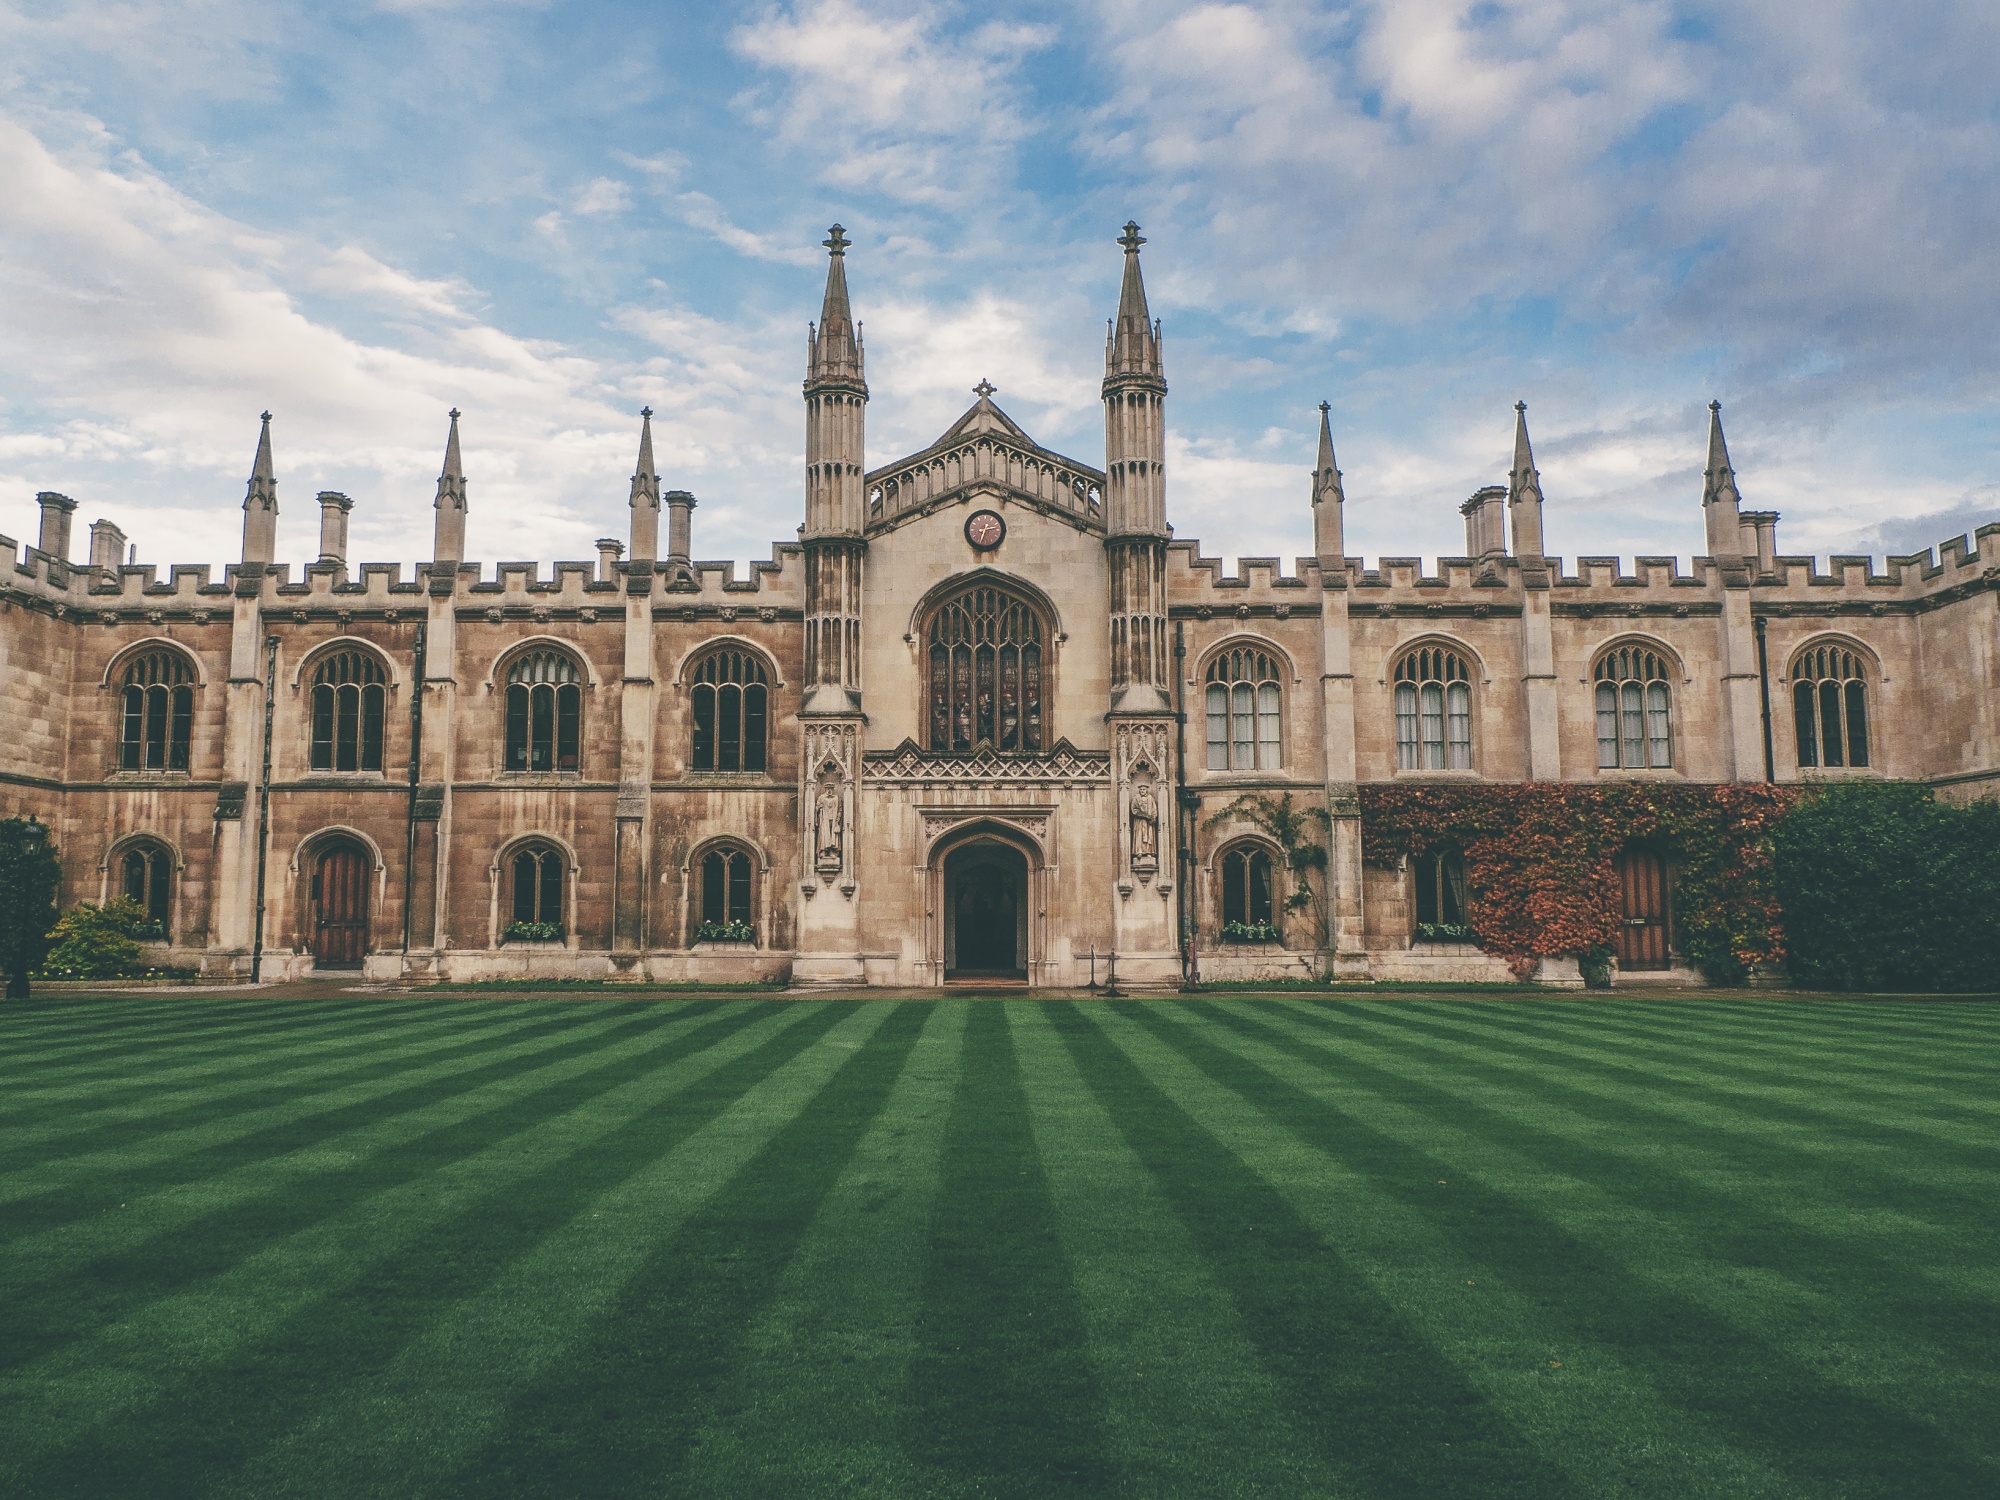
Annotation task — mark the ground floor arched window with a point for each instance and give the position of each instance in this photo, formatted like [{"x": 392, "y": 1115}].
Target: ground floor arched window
[
  {"x": 146, "y": 877},
  {"x": 536, "y": 877},
  {"x": 725, "y": 897},
  {"x": 1249, "y": 912},
  {"x": 1440, "y": 896}
]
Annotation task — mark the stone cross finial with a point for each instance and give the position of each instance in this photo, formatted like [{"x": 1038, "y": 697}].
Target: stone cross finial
[
  {"x": 1131, "y": 238},
  {"x": 984, "y": 389},
  {"x": 837, "y": 240},
  {"x": 1325, "y": 407}
]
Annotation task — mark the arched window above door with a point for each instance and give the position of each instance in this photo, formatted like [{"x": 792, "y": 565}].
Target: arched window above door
[
  {"x": 348, "y": 699},
  {"x": 984, "y": 687},
  {"x": 1634, "y": 709},
  {"x": 1244, "y": 707},
  {"x": 731, "y": 703},
  {"x": 1433, "y": 711},
  {"x": 157, "y": 728},
  {"x": 544, "y": 712}
]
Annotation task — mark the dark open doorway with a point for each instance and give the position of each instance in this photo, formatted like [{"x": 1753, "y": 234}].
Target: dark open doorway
[{"x": 985, "y": 912}]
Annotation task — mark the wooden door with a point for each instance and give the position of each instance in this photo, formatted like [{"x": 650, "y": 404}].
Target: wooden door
[
  {"x": 340, "y": 908},
  {"x": 1642, "y": 940}
]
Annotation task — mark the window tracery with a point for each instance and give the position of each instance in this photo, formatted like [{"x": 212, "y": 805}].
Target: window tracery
[
  {"x": 158, "y": 723},
  {"x": 985, "y": 673},
  {"x": 1830, "y": 707},
  {"x": 1634, "y": 709},
  {"x": 544, "y": 713},
  {"x": 1245, "y": 711},
  {"x": 348, "y": 697},
  {"x": 731, "y": 711}
]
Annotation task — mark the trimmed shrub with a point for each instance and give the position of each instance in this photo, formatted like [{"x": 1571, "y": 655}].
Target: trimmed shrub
[
  {"x": 97, "y": 942},
  {"x": 1884, "y": 888}
]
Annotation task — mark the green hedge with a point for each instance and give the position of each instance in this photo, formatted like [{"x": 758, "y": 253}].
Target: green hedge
[{"x": 1885, "y": 889}]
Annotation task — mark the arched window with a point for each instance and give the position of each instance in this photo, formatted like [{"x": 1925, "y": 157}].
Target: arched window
[
  {"x": 1634, "y": 709},
  {"x": 1830, "y": 707},
  {"x": 731, "y": 712},
  {"x": 1244, "y": 712},
  {"x": 1439, "y": 882},
  {"x": 347, "y": 699},
  {"x": 544, "y": 712},
  {"x": 985, "y": 687},
  {"x": 537, "y": 875},
  {"x": 159, "y": 713},
  {"x": 146, "y": 876},
  {"x": 1433, "y": 711},
  {"x": 725, "y": 900},
  {"x": 1248, "y": 912}
]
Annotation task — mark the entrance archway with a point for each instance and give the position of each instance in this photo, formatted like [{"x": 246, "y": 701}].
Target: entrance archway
[
  {"x": 985, "y": 911},
  {"x": 340, "y": 879}
]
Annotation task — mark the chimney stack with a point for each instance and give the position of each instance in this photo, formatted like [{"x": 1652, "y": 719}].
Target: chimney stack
[
  {"x": 56, "y": 510},
  {"x": 1486, "y": 525},
  {"x": 680, "y": 533},
  {"x": 609, "y": 550},
  {"x": 107, "y": 546},
  {"x": 1760, "y": 539},
  {"x": 333, "y": 509}
]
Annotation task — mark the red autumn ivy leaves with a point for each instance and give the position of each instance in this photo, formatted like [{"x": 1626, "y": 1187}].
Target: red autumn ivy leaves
[{"x": 1539, "y": 862}]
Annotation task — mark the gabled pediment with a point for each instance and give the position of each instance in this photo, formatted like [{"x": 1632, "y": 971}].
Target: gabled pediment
[{"x": 985, "y": 451}]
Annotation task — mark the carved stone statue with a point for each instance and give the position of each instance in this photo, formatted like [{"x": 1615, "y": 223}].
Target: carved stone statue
[
  {"x": 1145, "y": 828},
  {"x": 827, "y": 840}
]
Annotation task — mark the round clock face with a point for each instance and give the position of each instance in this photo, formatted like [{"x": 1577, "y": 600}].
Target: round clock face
[{"x": 984, "y": 530}]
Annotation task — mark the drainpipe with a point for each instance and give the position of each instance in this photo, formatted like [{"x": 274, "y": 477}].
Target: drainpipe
[
  {"x": 264, "y": 806},
  {"x": 1764, "y": 693},
  {"x": 1186, "y": 801},
  {"x": 416, "y": 763}
]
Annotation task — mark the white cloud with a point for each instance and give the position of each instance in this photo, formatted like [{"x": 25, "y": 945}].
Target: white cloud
[{"x": 602, "y": 197}]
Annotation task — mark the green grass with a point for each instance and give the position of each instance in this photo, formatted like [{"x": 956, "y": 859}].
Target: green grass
[{"x": 1200, "y": 1247}]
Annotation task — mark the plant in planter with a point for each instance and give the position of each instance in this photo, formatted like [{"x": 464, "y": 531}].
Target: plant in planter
[
  {"x": 725, "y": 932},
  {"x": 532, "y": 932},
  {"x": 1445, "y": 932},
  {"x": 1250, "y": 932}
]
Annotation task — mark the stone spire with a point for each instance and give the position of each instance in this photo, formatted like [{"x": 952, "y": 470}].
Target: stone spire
[
  {"x": 836, "y": 393},
  {"x": 1721, "y": 502},
  {"x": 450, "y": 543},
  {"x": 1328, "y": 501},
  {"x": 1524, "y": 492},
  {"x": 1135, "y": 495},
  {"x": 1132, "y": 346},
  {"x": 645, "y": 496},
  {"x": 260, "y": 504}
]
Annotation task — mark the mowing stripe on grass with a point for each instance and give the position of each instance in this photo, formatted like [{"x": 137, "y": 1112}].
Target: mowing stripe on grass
[
  {"x": 345, "y": 1295},
  {"x": 1002, "y": 1399},
  {"x": 1841, "y": 1034},
  {"x": 110, "y": 1054},
  {"x": 1380, "y": 1408},
  {"x": 139, "y": 1162},
  {"x": 1825, "y": 1434},
  {"x": 1190, "y": 1406},
  {"x": 1953, "y": 1174},
  {"x": 812, "y": 1405},
  {"x": 575, "y": 1299},
  {"x": 656, "y": 1362}
]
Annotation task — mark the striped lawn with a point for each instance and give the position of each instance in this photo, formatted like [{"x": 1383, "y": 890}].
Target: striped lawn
[{"x": 1190, "y": 1247}]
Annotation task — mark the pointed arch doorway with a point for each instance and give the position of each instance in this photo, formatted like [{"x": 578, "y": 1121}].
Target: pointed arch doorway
[{"x": 985, "y": 911}]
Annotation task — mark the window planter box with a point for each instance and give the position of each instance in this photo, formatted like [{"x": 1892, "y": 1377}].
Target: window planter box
[
  {"x": 1266, "y": 933},
  {"x": 537, "y": 934},
  {"x": 729, "y": 934}
]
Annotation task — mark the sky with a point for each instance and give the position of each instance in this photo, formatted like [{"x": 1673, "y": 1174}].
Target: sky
[{"x": 549, "y": 216}]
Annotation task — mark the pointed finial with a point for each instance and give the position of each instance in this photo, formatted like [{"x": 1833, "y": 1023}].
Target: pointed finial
[
  {"x": 1521, "y": 407},
  {"x": 1716, "y": 407},
  {"x": 267, "y": 419},
  {"x": 1325, "y": 407},
  {"x": 646, "y": 412},
  {"x": 454, "y": 414},
  {"x": 1131, "y": 239},
  {"x": 836, "y": 240},
  {"x": 984, "y": 390}
]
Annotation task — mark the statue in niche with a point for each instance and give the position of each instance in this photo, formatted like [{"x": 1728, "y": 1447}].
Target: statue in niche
[
  {"x": 827, "y": 826},
  {"x": 1145, "y": 829}
]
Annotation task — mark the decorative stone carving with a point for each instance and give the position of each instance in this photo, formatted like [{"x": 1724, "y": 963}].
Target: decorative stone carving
[
  {"x": 1145, "y": 821},
  {"x": 1062, "y": 762}
]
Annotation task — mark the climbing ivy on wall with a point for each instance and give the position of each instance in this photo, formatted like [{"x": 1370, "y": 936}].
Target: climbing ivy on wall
[{"x": 1539, "y": 871}]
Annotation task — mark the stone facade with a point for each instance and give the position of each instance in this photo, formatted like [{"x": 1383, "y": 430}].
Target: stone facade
[{"x": 805, "y": 773}]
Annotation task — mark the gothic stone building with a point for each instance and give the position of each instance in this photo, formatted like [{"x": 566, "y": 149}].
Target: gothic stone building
[{"x": 977, "y": 721}]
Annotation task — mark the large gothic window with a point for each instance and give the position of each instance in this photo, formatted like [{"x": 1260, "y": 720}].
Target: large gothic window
[
  {"x": 731, "y": 701},
  {"x": 985, "y": 663},
  {"x": 1433, "y": 711},
  {"x": 1244, "y": 712},
  {"x": 1634, "y": 709},
  {"x": 544, "y": 713},
  {"x": 1830, "y": 707},
  {"x": 347, "y": 704},
  {"x": 159, "y": 713}
]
